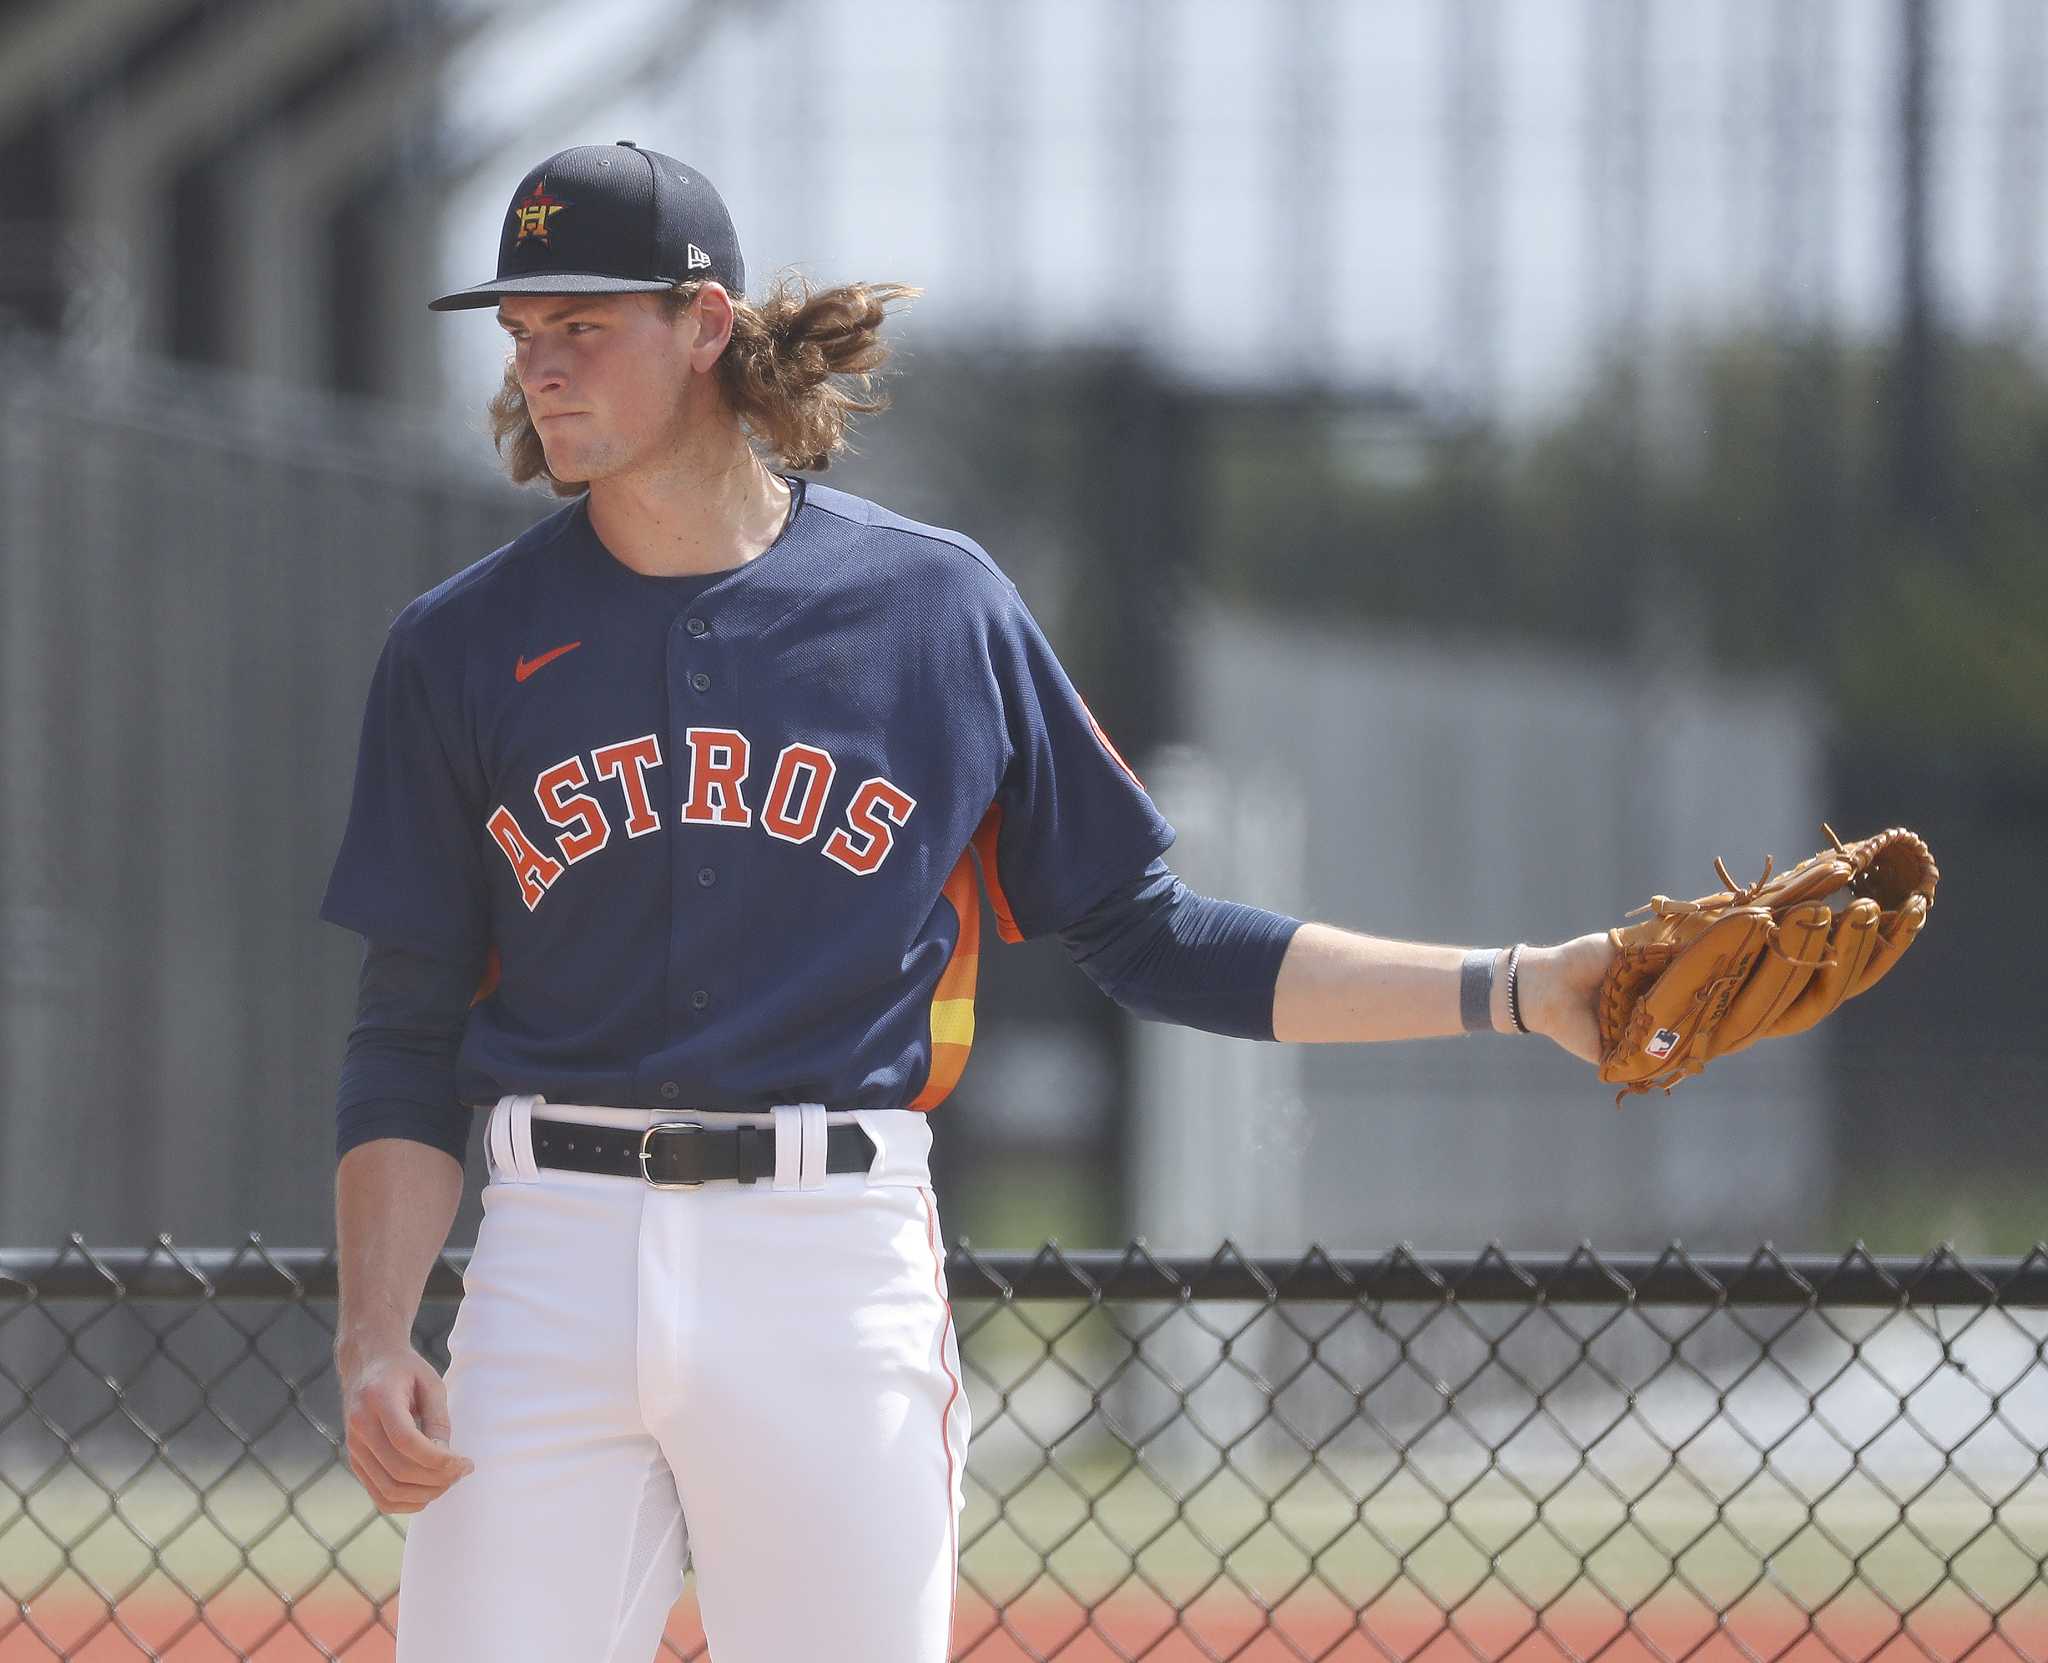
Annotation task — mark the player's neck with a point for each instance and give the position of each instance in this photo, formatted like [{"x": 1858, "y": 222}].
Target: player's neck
[{"x": 707, "y": 510}]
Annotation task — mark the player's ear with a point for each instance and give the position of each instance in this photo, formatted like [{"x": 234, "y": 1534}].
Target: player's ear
[{"x": 708, "y": 321}]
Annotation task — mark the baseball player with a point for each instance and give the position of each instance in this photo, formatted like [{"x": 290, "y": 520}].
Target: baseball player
[{"x": 670, "y": 825}]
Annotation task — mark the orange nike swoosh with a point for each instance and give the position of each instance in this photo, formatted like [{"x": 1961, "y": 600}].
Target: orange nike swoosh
[{"x": 527, "y": 666}]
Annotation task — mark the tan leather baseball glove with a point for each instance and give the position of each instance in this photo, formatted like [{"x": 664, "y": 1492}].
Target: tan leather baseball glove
[{"x": 1702, "y": 979}]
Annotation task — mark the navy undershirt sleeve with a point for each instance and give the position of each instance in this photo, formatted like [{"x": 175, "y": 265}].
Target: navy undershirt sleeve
[
  {"x": 1167, "y": 954},
  {"x": 398, "y": 1073}
]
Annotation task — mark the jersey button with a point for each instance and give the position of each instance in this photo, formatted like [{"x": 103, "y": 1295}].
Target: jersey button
[
  {"x": 701, "y": 682},
  {"x": 697, "y": 626},
  {"x": 671, "y": 1090},
  {"x": 706, "y": 876},
  {"x": 699, "y": 1000}
]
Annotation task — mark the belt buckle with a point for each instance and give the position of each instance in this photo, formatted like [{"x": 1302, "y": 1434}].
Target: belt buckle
[{"x": 647, "y": 1137}]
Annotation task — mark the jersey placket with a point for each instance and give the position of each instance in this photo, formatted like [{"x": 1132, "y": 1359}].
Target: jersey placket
[{"x": 709, "y": 831}]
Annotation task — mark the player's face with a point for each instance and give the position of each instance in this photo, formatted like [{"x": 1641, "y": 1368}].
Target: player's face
[{"x": 607, "y": 379}]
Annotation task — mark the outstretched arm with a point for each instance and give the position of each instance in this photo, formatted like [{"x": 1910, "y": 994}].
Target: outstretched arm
[
  {"x": 1336, "y": 986},
  {"x": 1168, "y": 954}
]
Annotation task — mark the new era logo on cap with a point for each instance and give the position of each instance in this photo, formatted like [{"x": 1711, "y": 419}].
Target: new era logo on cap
[{"x": 698, "y": 258}]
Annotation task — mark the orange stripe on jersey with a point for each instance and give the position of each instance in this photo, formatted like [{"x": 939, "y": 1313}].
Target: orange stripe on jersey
[
  {"x": 489, "y": 982},
  {"x": 1107, "y": 746},
  {"x": 984, "y": 842},
  {"x": 952, "y": 1012}
]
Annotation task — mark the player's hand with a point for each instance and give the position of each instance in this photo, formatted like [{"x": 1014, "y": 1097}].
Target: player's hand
[
  {"x": 1559, "y": 987},
  {"x": 395, "y": 1413}
]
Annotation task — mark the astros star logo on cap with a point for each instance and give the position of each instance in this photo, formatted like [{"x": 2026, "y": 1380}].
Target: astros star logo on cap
[{"x": 533, "y": 212}]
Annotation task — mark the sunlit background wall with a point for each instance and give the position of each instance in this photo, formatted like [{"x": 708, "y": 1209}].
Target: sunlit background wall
[{"x": 1482, "y": 458}]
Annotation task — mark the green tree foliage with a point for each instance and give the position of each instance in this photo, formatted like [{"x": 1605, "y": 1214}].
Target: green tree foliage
[{"x": 1747, "y": 489}]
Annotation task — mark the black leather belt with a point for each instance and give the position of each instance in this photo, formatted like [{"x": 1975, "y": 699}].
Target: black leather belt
[{"x": 673, "y": 1154}]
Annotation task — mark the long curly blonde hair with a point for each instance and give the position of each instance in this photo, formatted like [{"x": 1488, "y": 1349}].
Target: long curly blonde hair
[{"x": 800, "y": 366}]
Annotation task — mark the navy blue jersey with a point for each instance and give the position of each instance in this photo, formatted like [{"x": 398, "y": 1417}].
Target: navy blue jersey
[{"x": 713, "y": 840}]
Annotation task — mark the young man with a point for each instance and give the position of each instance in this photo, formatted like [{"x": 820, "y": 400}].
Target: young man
[{"x": 665, "y": 841}]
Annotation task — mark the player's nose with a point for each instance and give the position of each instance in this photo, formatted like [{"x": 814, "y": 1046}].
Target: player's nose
[
  {"x": 539, "y": 375},
  {"x": 541, "y": 368}
]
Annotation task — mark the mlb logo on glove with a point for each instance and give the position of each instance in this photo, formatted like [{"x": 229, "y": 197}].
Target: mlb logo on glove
[{"x": 1661, "y": 1042}]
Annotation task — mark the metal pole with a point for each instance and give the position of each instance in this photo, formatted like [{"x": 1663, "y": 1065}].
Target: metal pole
[{"x": 1919, "y": 473}]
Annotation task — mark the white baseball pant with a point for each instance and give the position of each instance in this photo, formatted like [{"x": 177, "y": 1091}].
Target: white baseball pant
[{"x": 766, "y": 1377}]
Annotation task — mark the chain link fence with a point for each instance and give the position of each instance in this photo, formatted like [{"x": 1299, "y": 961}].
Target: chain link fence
[{"x": 1650, "y": 1456}]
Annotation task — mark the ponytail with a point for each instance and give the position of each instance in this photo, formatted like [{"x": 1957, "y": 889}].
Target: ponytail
[{"x": 802, "y": 364}]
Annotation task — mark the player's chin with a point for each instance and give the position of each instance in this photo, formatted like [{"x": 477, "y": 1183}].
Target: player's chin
[{"x": 568, "y": 466}]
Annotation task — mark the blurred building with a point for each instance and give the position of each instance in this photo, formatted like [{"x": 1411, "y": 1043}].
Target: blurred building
[
  {"x": 1441, "y": 791},
  {"x": 228, "y": 182}
]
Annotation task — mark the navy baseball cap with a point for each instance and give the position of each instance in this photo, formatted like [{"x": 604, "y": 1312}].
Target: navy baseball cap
[{"x": 609, "y": 219}]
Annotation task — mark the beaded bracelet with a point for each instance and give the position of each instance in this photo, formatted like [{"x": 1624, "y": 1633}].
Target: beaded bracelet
[{"x": 1514, "y": 991}]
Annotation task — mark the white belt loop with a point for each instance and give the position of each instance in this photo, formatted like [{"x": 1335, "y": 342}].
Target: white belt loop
[
  {"x": 814, "y": 1145},
  {"x": 498, "y": 1142},
  {"x": 788, "y": 1146},
  {"x": 519, "y": 1136}
]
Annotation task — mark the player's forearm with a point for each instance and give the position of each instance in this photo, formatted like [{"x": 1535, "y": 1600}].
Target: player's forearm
[
  {"x": 394, "y": 1203},
  {"x": 1336, "y": 986}
]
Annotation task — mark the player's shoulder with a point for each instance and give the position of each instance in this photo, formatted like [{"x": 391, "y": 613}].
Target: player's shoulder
[
  {"x": 912, "y": 549},
  {"x": 457, "y": 601}
]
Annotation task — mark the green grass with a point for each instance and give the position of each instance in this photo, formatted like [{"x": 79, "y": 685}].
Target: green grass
[{"x": 1487, "y": 1548}]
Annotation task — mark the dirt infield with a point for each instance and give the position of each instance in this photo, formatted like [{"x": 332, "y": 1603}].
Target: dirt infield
[
  {"x": 1496, "y": 1627},
  {"x": 1407, "y": 1626}
]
